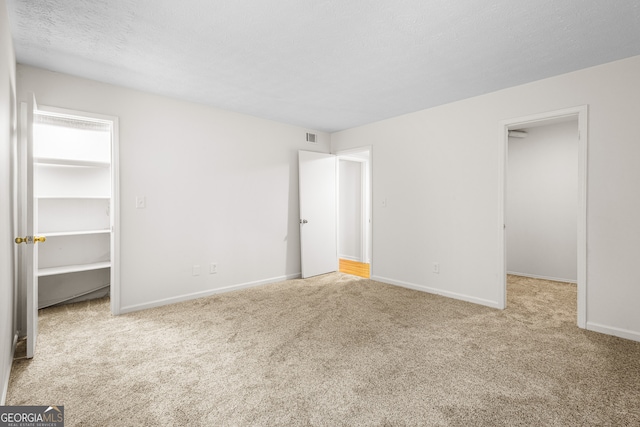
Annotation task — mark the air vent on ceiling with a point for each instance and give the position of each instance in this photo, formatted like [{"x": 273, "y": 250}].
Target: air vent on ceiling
[{"x": 311, "y": 137}]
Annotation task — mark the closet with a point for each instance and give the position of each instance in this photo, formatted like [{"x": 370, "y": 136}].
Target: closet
[{"x": 72, "y": 182}]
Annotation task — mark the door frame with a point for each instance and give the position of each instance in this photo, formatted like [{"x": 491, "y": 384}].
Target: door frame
[
  {"x": 114, "y": 208},
  {"x": 581, "y": 113},
  {"x": 366, "y": 201}
]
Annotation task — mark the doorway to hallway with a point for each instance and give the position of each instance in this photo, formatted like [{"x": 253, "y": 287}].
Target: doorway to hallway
[{"x": 354, "y": 212}]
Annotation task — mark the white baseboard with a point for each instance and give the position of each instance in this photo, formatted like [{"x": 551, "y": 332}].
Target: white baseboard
[
  {"x": 195, "y": 295},
  {"x": 454, "y": 295},
  {"x": 616, "y": 332},
  {"x": 349, "y": 258},
  {"x": 535, "y": 276},
  {"x": 7, "y": 371}
]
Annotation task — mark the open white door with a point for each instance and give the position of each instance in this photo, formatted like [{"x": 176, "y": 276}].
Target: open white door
[
  {"x": 318, "y": 215},
  {"x": 28, "y": 253}
]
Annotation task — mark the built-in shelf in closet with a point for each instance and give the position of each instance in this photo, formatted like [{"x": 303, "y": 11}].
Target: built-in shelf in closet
[{"x": 73, "y": 200}]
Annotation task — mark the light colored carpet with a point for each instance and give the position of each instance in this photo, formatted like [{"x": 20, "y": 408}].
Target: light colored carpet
[{"x": 335, "y": 350}]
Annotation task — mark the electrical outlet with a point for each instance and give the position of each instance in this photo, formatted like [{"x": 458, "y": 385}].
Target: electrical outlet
[
  {"x": 436, "y": 267},
  {"x": 196, "y": 270},
  {"x": 213, "y": 268}
]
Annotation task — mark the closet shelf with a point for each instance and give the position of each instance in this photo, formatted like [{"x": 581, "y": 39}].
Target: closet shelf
[
  {"x": 70, "y": 162},
  {"x": 73, "y": 233},
  {"x": 73, "y": 197},
  {"x": 73, "y": 268}
]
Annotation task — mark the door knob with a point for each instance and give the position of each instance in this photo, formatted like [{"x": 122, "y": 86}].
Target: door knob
[{"x": 29, "y": 239}]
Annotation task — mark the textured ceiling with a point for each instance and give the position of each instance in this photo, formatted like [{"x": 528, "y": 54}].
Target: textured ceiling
[{"x": 325, "y": 65}]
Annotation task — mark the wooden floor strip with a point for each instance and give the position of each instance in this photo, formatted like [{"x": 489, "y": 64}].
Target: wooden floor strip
[{"x": 355, "y": 268}]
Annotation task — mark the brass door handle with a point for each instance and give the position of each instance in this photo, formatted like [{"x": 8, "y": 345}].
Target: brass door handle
[{"x": 27, "y": 239}]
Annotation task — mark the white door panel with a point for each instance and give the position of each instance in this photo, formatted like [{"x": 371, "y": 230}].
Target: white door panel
[
  {"x": 318, "y": 213},
  {"x": 28, "y": 252}
]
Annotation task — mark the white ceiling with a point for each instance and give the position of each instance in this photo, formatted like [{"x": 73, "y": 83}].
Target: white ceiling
[{"x": 324, "y": 65}]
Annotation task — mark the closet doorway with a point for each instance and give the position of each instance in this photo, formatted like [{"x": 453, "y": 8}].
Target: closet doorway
[
  {"x": 542, "y": 201},
  {"x": 75, "y": 206},
  {"x": 561, "y": 255},
  {"x": 73, "y": 199},
  {"x": 68, "y": 212}
]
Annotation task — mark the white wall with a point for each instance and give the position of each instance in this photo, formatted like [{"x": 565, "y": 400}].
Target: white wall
[
  {"x": 7, "y": 135},
  {"x": 350, "y": 210},
  {"x": 439, "y": 171},
  {"x": 220, "y": 187},
  {"x": 542, "y": 202}
]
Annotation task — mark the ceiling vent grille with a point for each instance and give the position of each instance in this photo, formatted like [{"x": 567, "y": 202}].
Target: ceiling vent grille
[{"x": 311, "y": 137}]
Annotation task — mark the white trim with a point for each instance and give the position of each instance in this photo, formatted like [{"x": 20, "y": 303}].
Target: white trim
[
  {"x": 114, "y": 290},
  {"x": 67, "y": 112},
  {"x": 349, "y": 258},
  {"x": 583, "y": 153},
  {"x": 7, "y": 371},
  {"x": 196, "y": 295},
  {"x": 364, "y": 212},
  {"x": 114, "y": 209},
  {"x": 351, "y": 151},
  {"x": 581, "y": 113},
  {"x": 454, "y": 295},
  {"x": 536, "y": 276},
  {"x": 352, "y": 158},
  {"x": 616, "y": 332}
]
